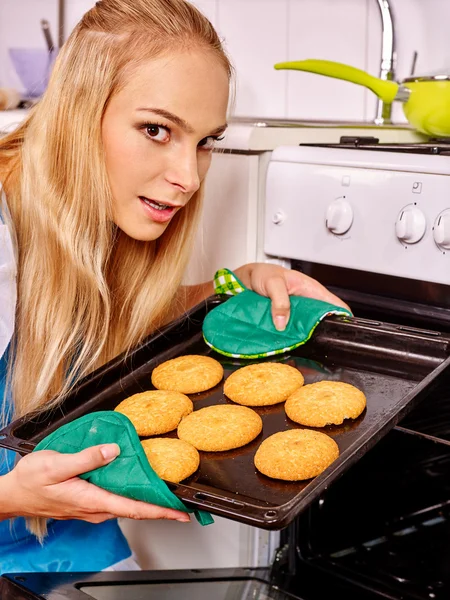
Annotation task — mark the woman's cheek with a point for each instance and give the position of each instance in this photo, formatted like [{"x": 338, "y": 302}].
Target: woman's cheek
[{"x": 204, "y": 162}]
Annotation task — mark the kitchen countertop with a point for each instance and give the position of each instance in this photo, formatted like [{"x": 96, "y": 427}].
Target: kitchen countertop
[{"x": 253, "y": 134}]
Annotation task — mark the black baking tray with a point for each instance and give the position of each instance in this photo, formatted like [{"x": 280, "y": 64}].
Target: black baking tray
[{"x": 395, "y": 366}]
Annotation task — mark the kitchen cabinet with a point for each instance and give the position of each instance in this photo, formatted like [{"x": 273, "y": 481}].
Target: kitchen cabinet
[{"x": 227, "y": 236}]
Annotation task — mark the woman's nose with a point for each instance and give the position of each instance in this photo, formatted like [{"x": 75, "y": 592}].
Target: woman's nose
[{"x": 183, "y": 171}]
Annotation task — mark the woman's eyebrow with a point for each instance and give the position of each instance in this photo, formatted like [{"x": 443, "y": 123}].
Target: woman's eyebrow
[
  {"x": 179, "y": 121},
  {"x": 219, "y": 130}
]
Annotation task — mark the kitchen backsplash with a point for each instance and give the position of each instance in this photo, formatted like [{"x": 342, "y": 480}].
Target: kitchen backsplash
[{"x": 258, "y": 33}]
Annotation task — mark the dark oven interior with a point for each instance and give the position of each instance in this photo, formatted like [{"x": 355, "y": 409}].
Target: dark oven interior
[{"x": 383, "y": 530}]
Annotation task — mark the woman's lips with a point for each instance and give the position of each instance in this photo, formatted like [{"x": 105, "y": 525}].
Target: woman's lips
[{"x": 160, "y": 215}]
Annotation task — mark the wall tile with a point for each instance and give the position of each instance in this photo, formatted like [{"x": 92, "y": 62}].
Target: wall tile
[
  {"x": 258, "y": 33},
  {"x": 410, "y": 34},
  {"x": 255, "y": 35},
  {"x": 332, "y": 31},
  {"x": 435, "y": 22},
  {"x": 75, "y": 9},
  {"x": 419, "y": 26},
  {"x": 15, "y": 31},
  {"x": 208, "y": 8},
  {"x": 19, "y": 32}
]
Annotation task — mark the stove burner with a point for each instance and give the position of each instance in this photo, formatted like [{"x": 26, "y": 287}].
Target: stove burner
[{"x": 439, "y": 146}]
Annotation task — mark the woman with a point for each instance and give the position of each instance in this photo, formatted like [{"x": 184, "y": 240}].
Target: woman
[{"x": 102, "y": 193}]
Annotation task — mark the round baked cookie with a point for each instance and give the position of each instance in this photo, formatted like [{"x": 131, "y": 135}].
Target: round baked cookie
[
  {"x": 171, "y": 459},
  {"x": 295, "y": 454},
  {"x": 220, "y": 427},
  {"x": 262, "y": 384},
  {"x": 156, "y": 411},
  {"x": 188, "y": 374},
  {"x": 325, "y": 403}
]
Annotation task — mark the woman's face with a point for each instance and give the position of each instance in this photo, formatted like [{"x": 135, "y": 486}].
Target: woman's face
[{"x": 158, "y": 134}]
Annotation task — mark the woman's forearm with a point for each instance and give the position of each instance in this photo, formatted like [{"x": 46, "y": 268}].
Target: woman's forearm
[
  {"x": 193, "y": 294},
  {"x": 6, "y": 495}
]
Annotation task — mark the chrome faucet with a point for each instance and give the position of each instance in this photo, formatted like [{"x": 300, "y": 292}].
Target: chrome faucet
[{"x": 388, "y": 58}]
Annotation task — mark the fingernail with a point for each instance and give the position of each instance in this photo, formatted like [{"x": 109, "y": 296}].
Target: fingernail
[
  {"x": 184, "y": 520},
  {"x": 280, "y": 323},
  {"x": 110, "y": 451}
]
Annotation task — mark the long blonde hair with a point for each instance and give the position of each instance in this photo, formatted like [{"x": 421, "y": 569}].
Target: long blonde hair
[{"x": 86, "y": 291}]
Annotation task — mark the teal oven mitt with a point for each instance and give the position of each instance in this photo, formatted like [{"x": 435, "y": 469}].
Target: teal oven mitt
[
  {"x": 130, "y": 474},
  {"x": 242, "y": 327}
]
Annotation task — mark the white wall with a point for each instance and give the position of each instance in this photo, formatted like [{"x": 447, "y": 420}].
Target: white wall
[
  {"x": 258, "y": 33},
  {"x": 20, "y": 28}
]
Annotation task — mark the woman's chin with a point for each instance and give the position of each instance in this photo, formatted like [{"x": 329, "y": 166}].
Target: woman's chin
[{"x": 141, "y": 232}]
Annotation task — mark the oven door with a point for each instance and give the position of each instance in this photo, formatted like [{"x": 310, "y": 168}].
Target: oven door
[
  {"x": 208, "y": 584},
  {"x": 381, "y": 531}
]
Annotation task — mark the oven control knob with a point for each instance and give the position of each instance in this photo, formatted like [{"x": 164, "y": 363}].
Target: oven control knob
[
  {"x": 441, "y": 230},
  {"x": 411, "y": 225},
  {"x": 339, "y": 216}
]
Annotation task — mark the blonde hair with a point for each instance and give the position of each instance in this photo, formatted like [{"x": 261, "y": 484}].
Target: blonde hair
[{"x": 86, "y": 291}]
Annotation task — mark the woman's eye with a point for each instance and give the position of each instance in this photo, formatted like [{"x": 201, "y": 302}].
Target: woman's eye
[
  {"x": 157, "y": 133},
  {"x": 209, "y": 142}
]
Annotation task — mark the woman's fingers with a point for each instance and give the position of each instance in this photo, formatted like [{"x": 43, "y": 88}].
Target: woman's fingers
[
  {"x": 134, "y": 509},
  {"x": 284, "y": 283},
  {"x": 96, "y": 500},
  {"x": 57, "y": 467},
  {"x": 48, "y": 485},
  {"x": 279, "y": 283},
  {"x": 281, "y": 306},
  {"x": 299, "y": 284}
]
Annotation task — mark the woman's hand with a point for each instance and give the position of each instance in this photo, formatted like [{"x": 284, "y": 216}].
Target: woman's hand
[
  {"x": 279, "y": 283},
  {"x": 45, "y": 484}
]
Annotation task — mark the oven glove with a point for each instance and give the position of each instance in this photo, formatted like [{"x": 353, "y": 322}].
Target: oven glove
[
  {"x": 130, "y": 474},
  {"x": 243, "y": 327}
]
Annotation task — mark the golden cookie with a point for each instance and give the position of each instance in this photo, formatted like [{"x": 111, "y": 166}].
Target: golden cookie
[
  {"x": 155, "y": 412},
  {"x": 220, "y": 427},
  {"x": 171, "y": 459},
  {"x": 188, "y": 374},
  {"x": 262, "y": 384},
  {"x": 296, "y": 454},
  {"x": 325, "y": 403}
]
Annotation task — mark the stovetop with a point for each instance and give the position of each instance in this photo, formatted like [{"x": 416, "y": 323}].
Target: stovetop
[{"x": 439, "y": 146}]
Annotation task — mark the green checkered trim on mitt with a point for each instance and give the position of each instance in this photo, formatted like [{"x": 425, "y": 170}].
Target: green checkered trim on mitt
[{"x": 226, "y": 282}]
